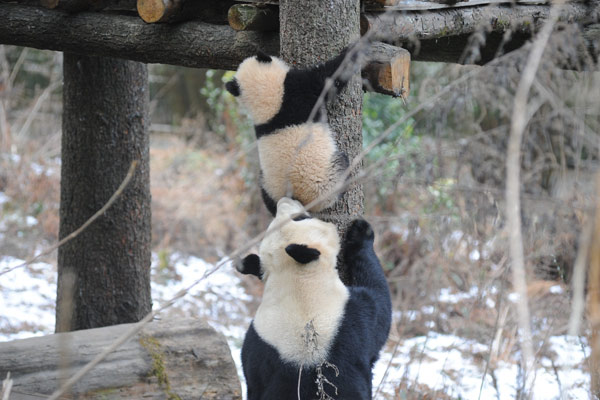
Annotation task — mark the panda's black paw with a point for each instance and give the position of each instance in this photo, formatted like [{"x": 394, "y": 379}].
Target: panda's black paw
[{"x": 359, "y": 232}]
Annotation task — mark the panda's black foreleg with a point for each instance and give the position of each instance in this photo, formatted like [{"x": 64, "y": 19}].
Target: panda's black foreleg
[{"x": 360, "y": 257}]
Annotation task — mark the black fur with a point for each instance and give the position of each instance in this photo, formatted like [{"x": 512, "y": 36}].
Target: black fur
[
  {"x": 302, "y": 253},
  {"x": 233, "y": 87},
  {"x": 268, "y": 200},
  {"x": 250, "y": 265},
  {"x": 301, "y": 90},
  {"x": 362, "y": 334},
  {"x": 262, "y": 57},
  {"x": 301, "y": 217}
]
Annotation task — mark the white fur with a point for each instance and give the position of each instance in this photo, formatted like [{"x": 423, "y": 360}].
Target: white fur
[
  {"x": 297, "y": 295},
  {"x": 261, "y": 87},
  {"x": 297, "y": 162}
]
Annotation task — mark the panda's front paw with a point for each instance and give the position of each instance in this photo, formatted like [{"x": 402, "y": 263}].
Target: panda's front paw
[{"x": 359, "y": 232}]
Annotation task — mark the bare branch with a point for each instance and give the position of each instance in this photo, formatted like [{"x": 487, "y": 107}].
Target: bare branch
[
  {"x": 87, "y": 223},
  {"x": 513, "y": 203}
]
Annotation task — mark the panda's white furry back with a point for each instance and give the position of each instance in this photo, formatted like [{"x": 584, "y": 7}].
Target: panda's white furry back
[{"x": 298, "y": 158}]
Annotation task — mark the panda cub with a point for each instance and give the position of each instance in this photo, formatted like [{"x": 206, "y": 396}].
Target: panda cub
[
  {"x": 298, "y": 158},
  {"x": 311, "y": 333}
]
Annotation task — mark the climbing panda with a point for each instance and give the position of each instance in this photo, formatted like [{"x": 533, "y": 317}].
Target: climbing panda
[
  {"x": 311, "y": 334},
  {"x": 298, "y": 158}
]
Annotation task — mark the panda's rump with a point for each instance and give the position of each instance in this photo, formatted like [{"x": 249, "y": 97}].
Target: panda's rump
[{"x": 298, "y": 162}]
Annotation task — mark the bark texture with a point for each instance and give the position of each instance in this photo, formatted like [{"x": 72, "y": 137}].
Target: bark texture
[
  {"x": 168, "y": 358},
  {"x": 444, "y": 34},
  {"x": 312, "y": 32},
  {"x": 189, "y": 44},
  {"x": 105, "y": 121}
]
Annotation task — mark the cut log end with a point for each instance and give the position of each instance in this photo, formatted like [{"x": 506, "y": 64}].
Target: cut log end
[
  {"x": 152, "y": 11},
  {"x": 249, "y": 17},
  {"x": 388, "y": 72}
]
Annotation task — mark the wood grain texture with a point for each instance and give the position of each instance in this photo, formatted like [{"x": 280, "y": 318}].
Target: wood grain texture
[
  {"x": 388, "y": 70},
  {"x": 312, "y": 32},
  {"x": 250, "y": 17},
  {"x": 196, "y": 360}
]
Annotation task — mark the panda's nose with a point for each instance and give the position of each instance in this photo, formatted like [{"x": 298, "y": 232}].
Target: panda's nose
[{"x": 233, "y": 87}]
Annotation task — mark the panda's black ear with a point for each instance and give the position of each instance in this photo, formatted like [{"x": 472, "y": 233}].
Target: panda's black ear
[
  {"x": 250, "y": 265},
  {"x": 233, "y": 87},
  {"x": 262, "y": 57},
  {"x": 302, "y": 253}
]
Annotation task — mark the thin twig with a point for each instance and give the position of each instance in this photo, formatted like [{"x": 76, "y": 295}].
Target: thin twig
[
  {"x": 578, "y": 281},
  {"x": 513, "y": 205},
  {"x": 87, "y": 223},
  {"x": 6, "y": 387}
]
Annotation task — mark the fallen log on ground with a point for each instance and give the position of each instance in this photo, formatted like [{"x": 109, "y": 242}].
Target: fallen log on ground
[{"x": 170, "y": 359}]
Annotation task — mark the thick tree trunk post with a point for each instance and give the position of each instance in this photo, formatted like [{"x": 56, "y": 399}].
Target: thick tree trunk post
[
  {"x": 312, "y": 32},
  {"x": 105, "y": 271}
]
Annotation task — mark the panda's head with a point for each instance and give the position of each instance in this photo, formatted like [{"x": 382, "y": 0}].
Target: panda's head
[
  {"x": 258, "y": 84},
  {"x": 297, "y": 243}
]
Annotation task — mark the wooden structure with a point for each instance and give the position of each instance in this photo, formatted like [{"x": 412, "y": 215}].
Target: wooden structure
[{"x": 221, "y": 33}]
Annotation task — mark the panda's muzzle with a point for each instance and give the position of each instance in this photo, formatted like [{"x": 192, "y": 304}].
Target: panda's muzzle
[{"x": 233, "y": 87}]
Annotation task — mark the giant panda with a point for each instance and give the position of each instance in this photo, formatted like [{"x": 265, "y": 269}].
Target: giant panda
[
  {"x": 311, "y": 334},
  {"x": 298, "y": 158}
]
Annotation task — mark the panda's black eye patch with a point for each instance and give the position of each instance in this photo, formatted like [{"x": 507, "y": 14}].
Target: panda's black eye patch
[
  {"x": 301, "y": 217},
  {"x": 233, "y": 87}
]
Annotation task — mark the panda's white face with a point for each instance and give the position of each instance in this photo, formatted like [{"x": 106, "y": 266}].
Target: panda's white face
[
  {"x": 302, "y": 290},
  {"x": 293, "y": 226},
  {"x": 260, "y": 87}
]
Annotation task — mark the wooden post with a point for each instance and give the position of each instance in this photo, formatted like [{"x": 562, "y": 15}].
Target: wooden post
[
  {"x": 104, "y": 273},
  {"x": 312, "y": 32}
]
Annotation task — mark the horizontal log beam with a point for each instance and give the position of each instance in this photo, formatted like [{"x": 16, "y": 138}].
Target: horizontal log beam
[
  {"x": 189, "y": 44},
  {"x": 169, "y": 11},
  {"x": 404, "y": 26},
  {"x": 168, "y": 358},
  {"x": 442, "y": 36}
]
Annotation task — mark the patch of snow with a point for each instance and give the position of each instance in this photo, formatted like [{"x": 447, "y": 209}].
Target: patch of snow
[
  {"x": 3, "y": 198},
  {"x": 446, "y": 363},
  {"x": 556, "y": 289},
  {"x": 27, "y": 298},
  {"x": 31, "y": 221},
  {"x": 445, "y": 295}
]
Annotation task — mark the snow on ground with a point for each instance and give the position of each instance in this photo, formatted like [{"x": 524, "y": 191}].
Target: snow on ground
[{"x": 448, "y": 363}]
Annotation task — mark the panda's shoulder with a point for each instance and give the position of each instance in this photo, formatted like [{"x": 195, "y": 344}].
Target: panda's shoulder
[{"x": 361, "y": 302}]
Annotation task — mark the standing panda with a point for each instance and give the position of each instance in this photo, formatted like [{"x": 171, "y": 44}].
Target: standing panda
[
  {"x": 312, "y": 336},
  {"x": 298, "y": 158}
]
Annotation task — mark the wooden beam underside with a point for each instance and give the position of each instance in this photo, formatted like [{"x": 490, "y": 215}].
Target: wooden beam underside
[{"x": 204, "y": 45}]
